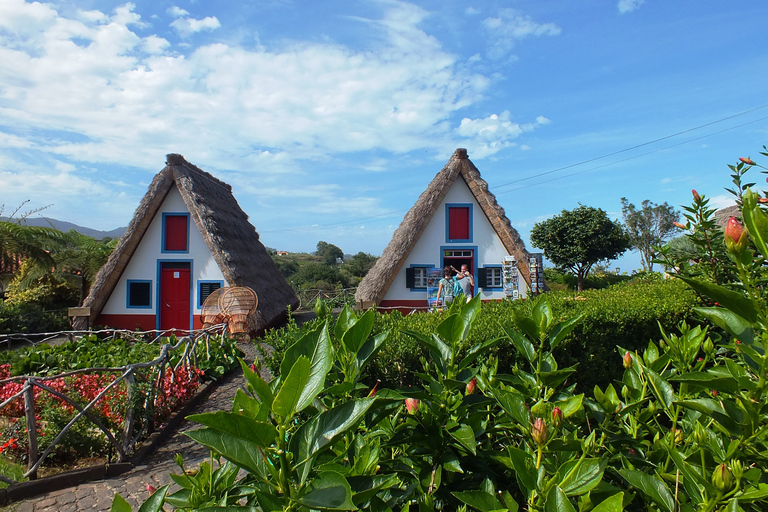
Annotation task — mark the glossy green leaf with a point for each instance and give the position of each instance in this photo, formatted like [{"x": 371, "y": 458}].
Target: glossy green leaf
[
  {"x": 651, "y": 486},
  {"x": 525, "y": 468},
  {"x": 729, "y": 321},
  {"x": 465, "y": 437},
  {"x": 326, "y": 428},
  {"x": 692, "y": 479},
  {"x": 580, "y": 476},
  {"x": 120, "y": 505},
  {"x": 345, "y": 319},
  {"x": 245, "y": 454},
  {"x": 236, "y": 425},
  {"x": 364, "y": 487},
  {"x": 570, "y": 405},
  {"x": 315, "y": 345},
  {"x": 754, "y": 494},
  {"x": 514, "y": 405},
  {"x": 613, "y": 504},
  {"x": 756, "y": 222},
  {"x": 554, "y": 379},
  {"x": 357, "y": 334},
  {"x": 661, "y": 389},
  {"x": 294, "y": 387},
  {"x": 259, "y": 385},
  {"x": 452, "y": 330},
  {"x": 708, "y": 380},
  {"x": 729, "y": 299},
  {"x": 155, "y": 502},
  {"x": 480, "y": 500},
  {"x": 714, "y": 410},
  {"x": 561, "y": 330},
  {"x": 370, "y": 348},
  {"x": 478, "y": 350},
  {"x": 557, "y": 501},
  {"x": 522, "y": 344},
  {"x": 329, "y": 491}
]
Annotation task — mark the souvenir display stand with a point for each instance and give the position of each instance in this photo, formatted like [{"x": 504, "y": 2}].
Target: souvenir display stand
[
  {"x": 537, "y": 273},
  {"x": 511, "y": 278}
]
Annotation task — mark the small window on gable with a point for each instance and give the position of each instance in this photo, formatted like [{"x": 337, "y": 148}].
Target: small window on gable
[
  {"x": 459, "y": 223},
  {"x": 139, "y": 294},
  {"x": 490, "y": 277},
  {"x": 175, "y": 232},
  {"x": 205, "y": 288},
  {"x": 416, "y": 278}
]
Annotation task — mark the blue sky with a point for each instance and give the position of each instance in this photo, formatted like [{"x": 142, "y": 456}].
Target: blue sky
[{"x": 329, "y": 118}]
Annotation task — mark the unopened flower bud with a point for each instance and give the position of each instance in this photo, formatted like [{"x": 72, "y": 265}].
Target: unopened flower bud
[
  {"x": 722, "y": 478},
  {"x": 471, "y": 386},
  {"x": 737, "y": 468},
  {"x": 708, "y": 347},
  {"x": 700, "y": 435},
  {"x": 747, "y": 161},
  {"x": 735, "y": 236},
  {"x": 696, "y": 196},
  {"x": 628, "y": 362},
  {"x": 677, "y": 435},
  {"x": 411, "y": 405},
  {"x": 151, "y": 488},
  {"x": 679, "y": 225},
  {"x": 557, "y": 417},
  {"x": 652, "y": 407},
  {"x": 539, "y": 431}
]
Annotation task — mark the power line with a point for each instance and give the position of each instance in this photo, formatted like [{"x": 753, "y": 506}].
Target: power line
[
  {"x": 636, "y": 146},
  {"x": 625, "y": 159},
  {"x": 394, "y": 213}
]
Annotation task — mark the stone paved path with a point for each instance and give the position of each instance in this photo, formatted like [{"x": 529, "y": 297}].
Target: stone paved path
[{"x": 97, "y": 495}]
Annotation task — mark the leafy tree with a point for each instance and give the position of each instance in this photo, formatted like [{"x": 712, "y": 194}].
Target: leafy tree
[
  {"x": 328, "y": 252},
  {"x": 648, "y": 227},
  {"x": 83, "y": 256},
  {"x": 359, "y": 264},
  {"x": 317, "y": 275},
  {"x": 577, "y": 239}
]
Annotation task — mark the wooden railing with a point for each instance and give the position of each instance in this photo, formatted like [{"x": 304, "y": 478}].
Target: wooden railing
[{"x": 155, "y": 369}]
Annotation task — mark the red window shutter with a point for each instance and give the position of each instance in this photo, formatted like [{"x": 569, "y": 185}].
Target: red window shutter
[
  {"x": 176, "y": 233},
  {"x": 458, "y": 223}
]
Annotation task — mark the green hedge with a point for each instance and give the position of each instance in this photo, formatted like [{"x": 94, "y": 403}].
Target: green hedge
[{"x": 626, "y": 314}]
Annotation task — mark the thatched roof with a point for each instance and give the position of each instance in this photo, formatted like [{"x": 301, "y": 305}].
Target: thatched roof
[
  {"x": 233, "y": 241},
  {"x": 722, "y": 215},
  {"x": 380, "y": 277}
]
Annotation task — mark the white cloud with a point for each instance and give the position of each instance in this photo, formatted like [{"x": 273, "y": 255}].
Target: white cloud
[
  {"x": 177, "y": 12},
  {"x": 493, "y": 133},
  {"x": 188, "y": 26},
  {"x": 154, "y": 44},
  {"x": 511, "y": 26},
  {"x": 721, "y": 201},
  {"x": 626, "y": 6}
]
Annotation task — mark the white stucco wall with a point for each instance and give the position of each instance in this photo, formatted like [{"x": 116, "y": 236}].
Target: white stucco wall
[
  {"x": 144, "y": 266},
  {"x": 428, "y": 250}
]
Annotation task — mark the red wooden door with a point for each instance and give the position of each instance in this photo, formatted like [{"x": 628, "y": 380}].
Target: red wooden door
[{"x": 175, "y": 305}]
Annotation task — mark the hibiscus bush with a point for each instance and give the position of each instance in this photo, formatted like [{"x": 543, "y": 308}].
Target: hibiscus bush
[{"x": 682, "y": 429}]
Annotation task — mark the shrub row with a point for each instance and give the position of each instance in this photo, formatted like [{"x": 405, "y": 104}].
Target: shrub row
[{"x": 626, "y": 314}]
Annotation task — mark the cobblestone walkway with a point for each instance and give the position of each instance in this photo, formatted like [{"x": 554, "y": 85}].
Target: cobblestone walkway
[{"x": 98, "y": 495}]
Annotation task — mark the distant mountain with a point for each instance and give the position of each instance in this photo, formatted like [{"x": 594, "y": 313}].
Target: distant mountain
[{"x": 65, "y": 226}]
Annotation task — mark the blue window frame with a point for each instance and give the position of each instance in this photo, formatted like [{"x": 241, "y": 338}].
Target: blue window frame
[
  {"x": 491, "y": 277},
  {"x": 205, "y": 288},
  {"x": 459, "y": 222},
  {"x": 175, "y": 238},
  {"x": 416, "y": 277},
  {"x": 138, "y": 294}
]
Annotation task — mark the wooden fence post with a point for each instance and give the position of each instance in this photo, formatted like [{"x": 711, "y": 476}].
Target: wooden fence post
[{"x": 29, "y": 408}]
